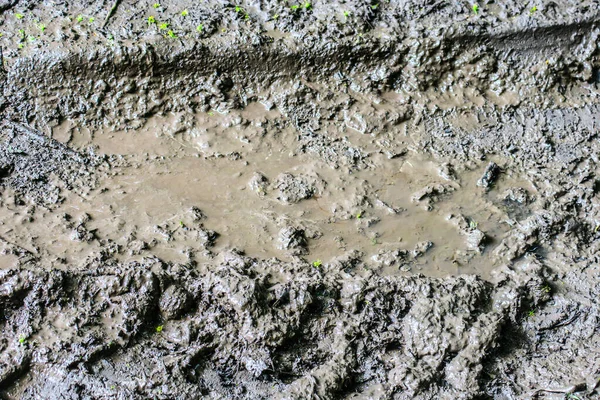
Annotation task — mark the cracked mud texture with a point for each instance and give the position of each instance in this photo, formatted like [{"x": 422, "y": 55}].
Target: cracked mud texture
[{"x": 323, "y": 200}]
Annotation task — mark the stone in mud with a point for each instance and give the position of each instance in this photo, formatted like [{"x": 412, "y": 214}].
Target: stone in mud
[
  {"x": 490, "y": 175},
  {"x": 173, "y": 302},
  {"x": 293, "y": 189},
  {"x": 197, "y": 214},
  {"x": 259, "y": 183},
  {"x": 293, "y": 240},
  {"x": 421, "y": 248}
]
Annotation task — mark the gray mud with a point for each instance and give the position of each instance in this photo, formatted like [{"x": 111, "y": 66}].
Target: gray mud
[{"x": 299, "y": 200}]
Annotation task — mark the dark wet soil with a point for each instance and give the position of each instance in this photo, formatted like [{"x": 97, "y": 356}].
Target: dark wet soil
[{"x": 299, "y": 200}]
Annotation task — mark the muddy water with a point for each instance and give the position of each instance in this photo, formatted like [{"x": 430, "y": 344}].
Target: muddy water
[{"x": 190, "y": 187}]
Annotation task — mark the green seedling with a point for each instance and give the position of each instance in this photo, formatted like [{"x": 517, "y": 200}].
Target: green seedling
[
  {"x": 295, "y": 7},
  {"x": 112, "y": 387},
  {"x": 79, "y": 18},
  {"x": 182, "y": 224},
  {"x": 42, "y": 27},
  {"x": 210, "y": 113},
  {"x": 172, "y": 35},
  {"x": 184, "y": 13},
  {"x": 238, "y": 9},
  {"x": 276, "y": 17},
  {"x": 159, "y": 328},
  {"x": 475, "y": 8},
  {"x": 156, "y": 5},
  {"x": 307, "y": 5},
  {"x": 597, "y": 228},
  {"x": 531, "y": 313},
  {"x": 317, "y": 263},
  {"x": 374, "y": 6},
  {"x": 31, "y": 38},
  {"x": 151, "y": 20},
  {"x": 22, "y": 33},
  {"x": 200, "y": 28},
  {"x": 163, "y": 26},
  {"x": 533, "y": 10},
  {"x": 546, "y": 289},
  {"x": 473, "y": 225},
  {"x": 22, "y": 340},
  {"x": 19, "y": 16},
  {"x": 359, "y": 215},
  {"x": 374, "y": 241},
  {"x": 21, "y": 45},
  {"x": 91, "y": 20},
  {"x": 346, "y": 14}
]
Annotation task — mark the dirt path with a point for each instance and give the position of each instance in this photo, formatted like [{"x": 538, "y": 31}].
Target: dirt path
[{"x": 299, "y": 200}]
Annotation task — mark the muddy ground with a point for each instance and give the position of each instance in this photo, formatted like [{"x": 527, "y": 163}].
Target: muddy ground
[{"x": 299, "y": 200}]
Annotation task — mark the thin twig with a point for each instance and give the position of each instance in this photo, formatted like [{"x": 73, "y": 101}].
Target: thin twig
[{"x": 110, "y": 12}]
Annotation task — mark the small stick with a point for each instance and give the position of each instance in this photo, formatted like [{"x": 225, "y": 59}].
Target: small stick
[{"x": 110, "y": 12}]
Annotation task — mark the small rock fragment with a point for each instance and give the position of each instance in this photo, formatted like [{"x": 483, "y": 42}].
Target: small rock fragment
[
  {"x": 489, "y": 175},
  {"x": 293, "y": 240}
]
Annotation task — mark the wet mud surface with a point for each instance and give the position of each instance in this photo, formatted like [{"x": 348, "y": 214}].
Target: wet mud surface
[{"x": 299, "y": 200}]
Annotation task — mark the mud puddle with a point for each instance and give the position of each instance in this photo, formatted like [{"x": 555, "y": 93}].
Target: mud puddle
[{"x": 190, "y": 187}]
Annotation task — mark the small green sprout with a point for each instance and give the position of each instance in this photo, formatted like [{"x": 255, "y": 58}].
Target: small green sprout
[
  {"x": 533, "y": 10},
  {"x": 210, "y": 113},
  {"x": 79, "y": 18},
  {"x": 22, "y": 33},
  {"x": 276, "y": 17},
  {"x": 163, "y": 26},
  {"x": 200, "y": 28},
  {"x": 159, "y": 328},
  {"x": 19, "y": 16},
  {"x": 91, "y": 20},
  {"x": 151, "y": 20},
  {"x": 597, "y": 228},
  {"x": 475, "y": 8},
  {"x": 21, "y": 45},
  {"x": 224, "y": 30},
  {"x": 238, "y": 9},
  {"x": 546, "y": 289},
  {"x": 374, "y": 241},
  {"x": 359, "y": 215},
  {"x": 374, "y": 6},
  {"x": 112, "y": 387},
  {"x": 307, "y": 5},
  {"x": 31, "y": 38},
  {"x": 473, "y": 224},
  {"x": 531, "y": 313},
  {"x": 346, "y": 14},
  {"x": 42, "y": 27},
  {"x": 22, "y": 340},
  {"x": 181, "y": 224},
  {"x": 156, "y": 5},
  {"x": 184, "y": 13},
  {"x": 317, "y": 263},
  {"x": 295, "y": 7},
  {"x": 172, "y": 35}
]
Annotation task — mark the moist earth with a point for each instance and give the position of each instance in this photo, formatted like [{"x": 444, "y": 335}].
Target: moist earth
[{"x": 299, "y": 200}]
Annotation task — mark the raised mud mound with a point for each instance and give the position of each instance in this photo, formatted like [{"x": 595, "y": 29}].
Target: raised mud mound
[{"x": 299, "y": 200}]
